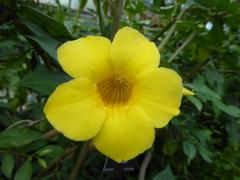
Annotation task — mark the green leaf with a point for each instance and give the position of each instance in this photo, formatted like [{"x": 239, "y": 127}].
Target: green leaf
[
  {"x": 4, "y": 105},
  {"x": 233, "y": 134},
  {"x": 204, "y": 152},
  {"x": 165, "y": 174},
  {"x": 48, "y": 45},
  {"x": 202, "y": 135},
  {"x": 202, "y": 54},
  {"x": 43, "y": 82},
  {"x": 189, "y": 150},
  {"x": 207, "y": 3},
  {"x": 7, "y": 165},
  {"x": 83, "y": 3},
  {"x": 18, "y": 137},
  {"x": 50, "y": 25},
  {"x": 51, "y": 151},
  {"x": 170, "y": 147},
  {"x": 228, "y": 109},
  {"x": 231, "y": 7},
  {"x": 196, "y": 102},
  {"x": 24, "y": 172},
  {"x": 42, "y": 162},
  {"x": 199, "y": 86}
]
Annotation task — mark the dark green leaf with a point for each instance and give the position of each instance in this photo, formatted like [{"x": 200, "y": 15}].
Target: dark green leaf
[
  {"x": 228, "y": 109},
  {"x": 207, "y": 3},
  {"x": 44, "y": 82},
  {"x": 51, "y": 25},
  {"x": 196, "y": 102},
  {"x": 4, "y": 105},
  {"x": 24, "y": 172},
  {"x": 7, "y": 165},
  {"x": 48, "y": 45},
  {"x": 51, "y": 151},
  {"x": 199, "y": 86},
  {"x": 234, "y": 134},
  {"x": 190, "y": 150},
  {"x": 202, "y": 135},
  {"x": 18, "y": 137},
  {"x": 165, "y": 174},
  {"x": 170, "y": 147},
  {"x": 204, "y": 152}
]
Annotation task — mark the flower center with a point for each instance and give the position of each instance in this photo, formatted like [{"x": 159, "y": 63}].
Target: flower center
[{"x": 115, "y": 90}]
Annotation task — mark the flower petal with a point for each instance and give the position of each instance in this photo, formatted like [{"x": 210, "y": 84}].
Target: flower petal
[
  {"x": 132, "y": 53},
  {"x": 126, "y": 133},
  {"x": 85, "y": 57},
  {"x": 159, "y": 93},
  {"x": 75, "y": 109}
]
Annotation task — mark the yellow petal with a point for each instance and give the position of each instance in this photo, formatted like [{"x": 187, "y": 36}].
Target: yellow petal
[
  {"x": 126, "y": 133},
  {"x": 75, "y": 109},
  {"x": 85, "y": 57},
  {"x": 187, "y": 92},
  {"x": 132, "y": 53},
  {"x": 159, "y": 93}
]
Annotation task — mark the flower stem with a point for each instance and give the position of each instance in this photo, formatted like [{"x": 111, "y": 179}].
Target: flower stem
[
  {"x": 118, "y": 7},
  {"x": 100, "y": 16},
  {"x": 81, "y": 157},
  {"x": 171, "y": 30},
  {"x": 144, "y": 165},
  {"x": 188, "y": 40}
]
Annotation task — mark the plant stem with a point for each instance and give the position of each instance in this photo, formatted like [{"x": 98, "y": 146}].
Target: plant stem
[
  {"x": 69, "y": 5},
  {"x": 171, "y": 30},
  {"x": 18, "y": 123},
  {"x": 195, "y": 70},
  {"x": 81, "y": 157},
  {"x": 188, "y": 40},
  {"x": 118, "y": 7},
  {"x": 27, "y": 121},
  {"x": 50, "y": 134},
  {"x": 100, "y": 16},
  {"x": 144, "y": 165},
  {"x": 77, "y": 14}
]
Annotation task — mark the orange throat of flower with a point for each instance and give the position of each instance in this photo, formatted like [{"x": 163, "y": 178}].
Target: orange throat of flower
[{"x": 115, "y": 90}]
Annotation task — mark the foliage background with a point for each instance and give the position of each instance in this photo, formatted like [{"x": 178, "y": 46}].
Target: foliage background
[{"x": 200, "y": 39}]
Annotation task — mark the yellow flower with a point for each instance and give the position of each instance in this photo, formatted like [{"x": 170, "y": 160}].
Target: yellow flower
[{"x": 118, "y": 94}]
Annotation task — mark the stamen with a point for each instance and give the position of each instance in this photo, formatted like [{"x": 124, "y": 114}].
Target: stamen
[{"x": 115, "y": 90}]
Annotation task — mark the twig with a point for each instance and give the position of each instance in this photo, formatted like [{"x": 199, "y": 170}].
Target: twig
[
  {"x": 18, "y": 123},
  {"x": 81, "y": 157},
  {"x": 159, "y": 34},
  {"x": 188, "y": 40},
  {"x": 144, "y": 165},
  {"x": 195, "y": 70},
  {"x": 50, "y": 134},
  {"x": 171, "y": 30},
  {"x": 118, "y": 7},
  {"x": 27, "y": 121}
]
